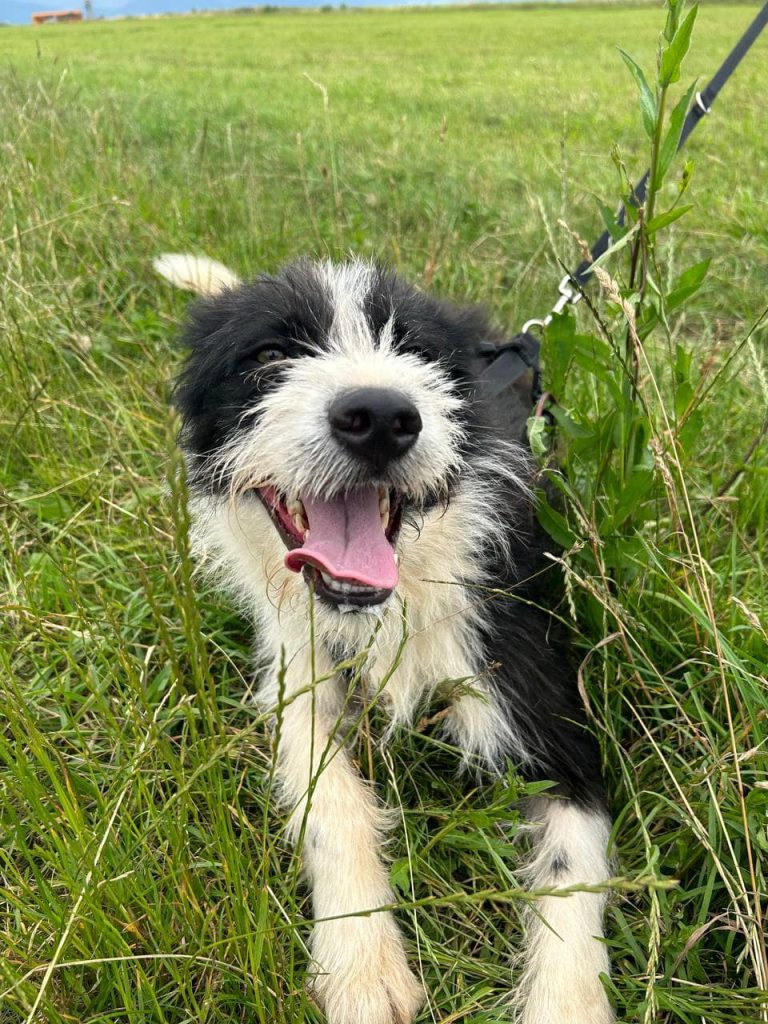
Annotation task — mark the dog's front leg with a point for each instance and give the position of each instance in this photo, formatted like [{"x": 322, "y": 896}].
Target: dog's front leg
[
  {"x": 360, "y": 972},
  {"x": 564, "y": 952},
  {"x": 565, "y": 955}
]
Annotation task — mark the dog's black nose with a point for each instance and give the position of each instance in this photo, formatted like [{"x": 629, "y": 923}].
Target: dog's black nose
[{"x": 376, "y": 424}]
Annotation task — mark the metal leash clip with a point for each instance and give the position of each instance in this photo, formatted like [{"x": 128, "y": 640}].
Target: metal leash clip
[{"x": 569, "y": 296}]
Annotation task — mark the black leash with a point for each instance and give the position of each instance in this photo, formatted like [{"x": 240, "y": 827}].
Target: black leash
[{"x": 510, "y": 361}]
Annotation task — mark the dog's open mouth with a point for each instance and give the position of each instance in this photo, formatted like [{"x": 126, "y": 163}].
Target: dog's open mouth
[{"x": 344, "y": 545}]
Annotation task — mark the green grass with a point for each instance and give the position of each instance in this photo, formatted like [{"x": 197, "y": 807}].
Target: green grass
[{"x": 143, "y": 874}]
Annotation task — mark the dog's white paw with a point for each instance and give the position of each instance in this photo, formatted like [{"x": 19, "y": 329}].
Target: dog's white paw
[
  {"x": 550, "y": 1001},
  {"x": 361, "y": 973}
]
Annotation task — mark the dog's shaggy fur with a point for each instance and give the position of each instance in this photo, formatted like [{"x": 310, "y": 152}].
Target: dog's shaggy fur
[{"x": 349, "y": 485}]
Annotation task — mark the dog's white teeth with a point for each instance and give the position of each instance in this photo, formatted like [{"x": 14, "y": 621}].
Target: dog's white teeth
[
  {"x": 300, "y": 524},
  {"x": 397, "y": 558},
  {"x": 298, "y": 515},
  {"x": 384, "y": 506},
  {"x": 340, "y": 587}
]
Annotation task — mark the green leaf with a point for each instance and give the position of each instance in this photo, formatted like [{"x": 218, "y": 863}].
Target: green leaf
[
  {"x": 687, "y": 284},
  {"x": 685, "y": 177},
  {"x": 596, "y": 367},
  {"x": 683, "y": 364},
  {"x": 607, "y": 372},
  {"x": 537, "y": 430},
  {"x": 555, "y": 524},
  {"x": 647, "y": 100},
  {"x": 593, "y": 346},
  {"x": 757, "y": 817},
  {"x": 631, "y": 496},
  {"x": 262, "y": 914},
  {"x": 568, "y": 425},
  {"x": 626, "y": 188},
  {"x": 674, "y": 10},
  {"x": 649, "y": 317},
  {"x": 614, "y": 229},
  {"x": 672, "y": 138},
  {"x": 400, "y": 876},
  {"x": 689, "y": 434},
  {"x": 694, "y": 275},
  {"x": 666, "y": 218},
  {"x": 672, "y": 58},
  {"x": 558, "y": 350},
  {"x": 617, "y": 246},
  {"x": 623, "y": 553},
  {"x": 683, "y": 396}
]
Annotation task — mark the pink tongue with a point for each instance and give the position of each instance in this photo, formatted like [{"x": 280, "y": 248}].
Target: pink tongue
[{"x": 346, "y": 540}]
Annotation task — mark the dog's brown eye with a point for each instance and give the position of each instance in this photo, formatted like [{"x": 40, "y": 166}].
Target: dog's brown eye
[{"x": 270, "y": 354}]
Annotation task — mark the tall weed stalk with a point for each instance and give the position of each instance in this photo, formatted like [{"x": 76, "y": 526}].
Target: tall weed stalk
[{"x": 644, "y": 527}]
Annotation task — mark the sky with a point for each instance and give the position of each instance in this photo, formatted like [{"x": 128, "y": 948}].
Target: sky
[{"x": 18, "y": 12}]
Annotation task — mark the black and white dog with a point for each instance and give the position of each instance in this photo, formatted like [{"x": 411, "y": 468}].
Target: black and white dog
[{"x": 347, "y": 485}]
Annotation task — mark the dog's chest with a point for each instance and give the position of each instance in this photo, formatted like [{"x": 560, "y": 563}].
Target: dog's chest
[{"x": 404, "y": 673}]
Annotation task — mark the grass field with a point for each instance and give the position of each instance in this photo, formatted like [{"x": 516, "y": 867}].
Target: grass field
[{"x": 143, "y": 874}]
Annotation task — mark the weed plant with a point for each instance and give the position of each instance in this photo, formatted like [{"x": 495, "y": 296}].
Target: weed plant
[{"x": 649, "y": 537}]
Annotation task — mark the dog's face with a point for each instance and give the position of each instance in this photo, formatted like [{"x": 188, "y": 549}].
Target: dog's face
[{"x": 336, "y": 401}]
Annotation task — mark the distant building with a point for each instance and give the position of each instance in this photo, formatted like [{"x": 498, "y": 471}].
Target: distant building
[{"x": 42, "y": 17}]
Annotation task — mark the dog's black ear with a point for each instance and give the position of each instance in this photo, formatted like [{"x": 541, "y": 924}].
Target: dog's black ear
[
  {"x": 209, "y": 392},
  {"x": 224, "y": 332},
  {"x": 209, "y": 334},
  {"x": 207, "y": 324},
  {"x": 207, "y": 278}
]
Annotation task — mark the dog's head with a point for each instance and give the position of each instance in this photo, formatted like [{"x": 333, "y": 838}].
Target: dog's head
[{"x": 335, "y": 403}]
